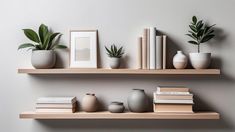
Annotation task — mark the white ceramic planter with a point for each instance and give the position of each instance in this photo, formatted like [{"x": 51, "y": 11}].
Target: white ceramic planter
[
  {"x": 200, "y": 60},
  {"x": 180, "y": 60},
  {"x": 43, "y": 59},
  {"x": 114, "y": 63}
]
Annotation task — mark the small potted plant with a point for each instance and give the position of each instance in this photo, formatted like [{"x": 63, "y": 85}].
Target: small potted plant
[
  {"x": 43, "y": 45},
  {"x": 200, "y": 33},
  {"x": 115, "y": 55}
]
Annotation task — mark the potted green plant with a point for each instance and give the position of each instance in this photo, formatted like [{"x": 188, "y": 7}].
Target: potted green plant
[
  {"x": 115, "y": 55},
  {"x": 200, "y": 33},
  {"x": 43, "y": 45}
]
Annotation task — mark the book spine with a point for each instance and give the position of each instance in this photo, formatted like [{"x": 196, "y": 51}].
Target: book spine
[
  {"x": 139, "y": 56},
  {"x": 164, "y": 52},
  {"x": 148, "y": 48},
  {"x": 152, "y": 47},
  {"x": 144, "y": 49},
  {"x": 159, "y": 52}
]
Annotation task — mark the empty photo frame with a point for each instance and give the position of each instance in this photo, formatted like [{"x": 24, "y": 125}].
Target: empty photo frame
[{"x": 83, "y": 49}]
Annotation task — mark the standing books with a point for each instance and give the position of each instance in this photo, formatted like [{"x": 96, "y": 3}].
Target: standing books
[
  {"x": 152, "y": 46},
  {"x": 164, "y": 52},
  {"x": 158, "y": 52},
  {"x": 139, "y": 54},
  {"x": 144, "y": 49}
]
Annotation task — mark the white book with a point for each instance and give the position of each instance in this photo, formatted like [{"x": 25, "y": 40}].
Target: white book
[
  {"x": 164, "y": 52},
  {"x": 159, "y": 52},
  {"x": 55, "y": 110},
  {"x": 56, "y": 100},
  {"x": 173, "y": 93},
  {"x": 152, "y": 48},
  {"x": 173, "y": 101}
]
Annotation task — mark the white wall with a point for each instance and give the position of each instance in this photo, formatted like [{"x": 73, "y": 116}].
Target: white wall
[{"x": 121, "y": 22}]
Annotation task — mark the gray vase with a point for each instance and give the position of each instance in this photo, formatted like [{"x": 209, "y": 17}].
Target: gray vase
[
  {"x": 138, "y": 101},
  {"x": 43, "y": 59},
  {"x": 116, "y": 107}
]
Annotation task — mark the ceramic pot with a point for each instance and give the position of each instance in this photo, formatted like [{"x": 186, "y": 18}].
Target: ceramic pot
[
  {"x": 43, "y": 59},
  {"x": 180, "y": 60},
  {"x": 116, "y": 107},
  {"x": 138, "y": 101},
  {"x": 89, "y": 103},
  {"x": 200, "y": 60},
  {"x": 114, "y": 63}
]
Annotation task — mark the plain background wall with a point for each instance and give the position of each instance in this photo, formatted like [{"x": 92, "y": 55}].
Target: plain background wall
[{"x": 119, "y": 22}]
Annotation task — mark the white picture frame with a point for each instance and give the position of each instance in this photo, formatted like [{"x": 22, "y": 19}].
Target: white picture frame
[{"x": 83, "y": 49}]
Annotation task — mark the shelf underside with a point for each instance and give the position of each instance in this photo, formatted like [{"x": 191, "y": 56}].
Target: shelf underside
[
  {"x": 126, "y": 115},
  {"x": 122, "y": 71}
]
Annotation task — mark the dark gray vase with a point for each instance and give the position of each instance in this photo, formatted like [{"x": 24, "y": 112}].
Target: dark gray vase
[
  {"x": 138, "y": 101},
  {"x": 116, "y": 107}
]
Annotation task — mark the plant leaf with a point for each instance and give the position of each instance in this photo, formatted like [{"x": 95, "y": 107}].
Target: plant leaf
[
  {"x": 193, "y": 42},
  {"x": 207, "y": 38},
  {"x": 190, "y": 35},
  {"x": 26, "y": 45},
  {"x": 43, "y": 31},
  {"x": 194, "y": 19},
  {"x": 109, "y": 52},
  {"x": 32, "y": 35},
  {"x": 193, "y": 28},
  {"x": 60, "y": 47}
]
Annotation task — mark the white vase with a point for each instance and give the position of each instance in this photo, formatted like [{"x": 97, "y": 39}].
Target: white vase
[
  {"x": 180, "y": 60},
  {"x": 114, "y": 63},
  {"x": 43, "y": 59},
  {"x": 200, "y": 60}
]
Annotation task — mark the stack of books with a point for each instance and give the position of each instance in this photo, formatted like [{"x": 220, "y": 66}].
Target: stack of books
[
  {"x": 173, "y": 99},
  {"x": 56, "y": 104},
  {"x": 151, "y": 50}
]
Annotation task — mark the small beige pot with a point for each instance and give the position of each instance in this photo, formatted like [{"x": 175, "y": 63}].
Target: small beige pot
[{"x": 89, "y": 103}]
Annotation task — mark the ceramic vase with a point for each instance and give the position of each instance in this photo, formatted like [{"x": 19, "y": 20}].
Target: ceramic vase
[
  {"x": 43, "y": 59},
  {"x": 180, "y": 60},
  {"x": 89, "y": 103},
  {"x": 138, "y": 101},
  {"x": 116, "y": 107},
  {"x": 114, "y": 63},
  {"x": 200, "y": 60}
]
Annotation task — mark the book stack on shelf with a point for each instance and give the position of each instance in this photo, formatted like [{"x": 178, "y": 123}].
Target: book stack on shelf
[
  {"x": 56, "y": 105},
  {"x": 151, "y": 50},
  {"x": 173, "y": 99}
]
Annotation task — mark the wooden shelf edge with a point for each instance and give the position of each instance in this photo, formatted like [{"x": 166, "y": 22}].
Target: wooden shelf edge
[
  {"x": 122, "y": 116},
  {"x": 122, "y": 71}
]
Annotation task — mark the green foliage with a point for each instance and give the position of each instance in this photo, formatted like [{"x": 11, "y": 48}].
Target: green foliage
[
  {"x": 200, "y": 32},
  {"x": 115, "y": 52},
  {"x": 44, "y": 40}
]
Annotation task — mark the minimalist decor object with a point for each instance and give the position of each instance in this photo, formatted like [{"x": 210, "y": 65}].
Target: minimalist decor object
[
  {"x": 138, "y": 101},
  {"x": 43, "y": 45},
  {"x": 83, "y": 49},
  {"x": 115, "y": 55},
  {"x": 180, "y": 60},
  {"x": 89, "y": 103},
  {"x": 139, "y": 53},
  {"x": 200, "y": 33},
  {"x": 116, "y": 107}
]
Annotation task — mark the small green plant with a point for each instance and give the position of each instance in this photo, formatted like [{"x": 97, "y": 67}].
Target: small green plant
[
  {"x": 44, "y": 40},
  {"x": 115, "y": 52},
  {"x": 200, "y": 32}
]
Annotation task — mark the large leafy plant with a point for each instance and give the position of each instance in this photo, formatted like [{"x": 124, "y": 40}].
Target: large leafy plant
[
  {"x": 44, "y": 40},
  {"x": 200, "y": 32},
  {"x": 115, "y": 52}
]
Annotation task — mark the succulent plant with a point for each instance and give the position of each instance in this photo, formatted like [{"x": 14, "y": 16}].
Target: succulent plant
[
  {"x": 200, "y": 32},
  {"x": 115, "y": 52},
  {"x": 44, "y": 40}
]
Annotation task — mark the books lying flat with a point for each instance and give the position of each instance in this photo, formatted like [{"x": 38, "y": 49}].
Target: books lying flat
[
  {"x": 158, "y": 101},
  {"x": 173, "y": 93},
  {"x": 173, "y": 108},
  {"x": 55, "y": 110},
  {"x": 173, "y": 97},
  {"x": 56, "y": 106},
  {"x": 56, "y": 100},
  {"x": 172, "y": 89}
]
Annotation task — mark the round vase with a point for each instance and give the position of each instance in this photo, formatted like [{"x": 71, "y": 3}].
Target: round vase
[
  {"x": 138, "y": 101},
  {"x": 116, "y": 107},
  {"x": 114, "y": 63},
  {"x": 200, "y": 60},
  {"x": 180, "y": 60},
  {"x": 43, "y": 59},
  {"x": 89, "y": 103}
]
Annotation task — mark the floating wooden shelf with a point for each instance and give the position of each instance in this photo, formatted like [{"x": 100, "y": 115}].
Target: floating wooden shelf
[
  {"x": 127, "y": 115},
  {"x": 122, "y": 71}
]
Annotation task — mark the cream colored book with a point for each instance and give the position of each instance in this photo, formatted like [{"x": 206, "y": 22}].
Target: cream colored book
[
  {"x": 139, "y": 53},
  {"x": 56, "y": 100},
  {"x": 152, "y": 47},
  {"x": 148, "y": 48},
  {"x": 158, "y": 52},
  {"x": 55, "y": 110},
  {"x": 173, "y": 97},
  {"x": 56, "y": 106},
  {"x": 172, "y": 108},
  {"x": 172, "y": 89},
  {"x": 144, "y": 49},
  {"x": 164, "y": 48}
]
